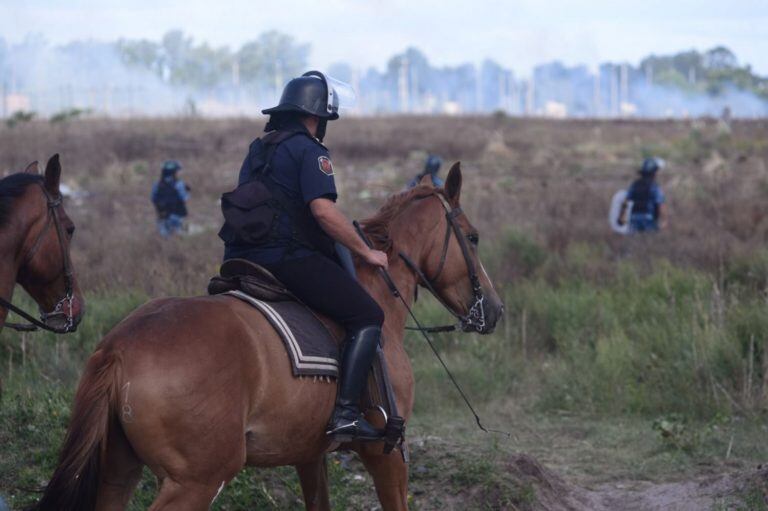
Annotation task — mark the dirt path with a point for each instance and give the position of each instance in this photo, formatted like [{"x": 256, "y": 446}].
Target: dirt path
[
  {"x": 574, "y": 463},
  {"x": 730, "y": 491},
  {"x": 693, "y": 495}
]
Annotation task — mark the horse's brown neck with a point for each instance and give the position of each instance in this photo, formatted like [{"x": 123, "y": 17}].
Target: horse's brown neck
[
  {"x": 413, "y": 238},
  {"x": 10, "y": 240},
  {"x": 394, "y": 312},
  {"x": 13, "y": 241}
]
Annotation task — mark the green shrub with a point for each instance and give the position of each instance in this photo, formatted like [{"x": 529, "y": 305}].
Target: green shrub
[
  {"x": 69, "y": 114},
  {"x": 516, "y": 256},
  {"x": 19, "y": 117},
  {"x": 749, "y": 271}
]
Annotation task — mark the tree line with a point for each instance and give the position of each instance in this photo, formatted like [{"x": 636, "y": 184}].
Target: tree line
[
  {"x": 274, "y": 57},
  {"x": 710, "y": 72},
  {"x": 179, "y": 60}
]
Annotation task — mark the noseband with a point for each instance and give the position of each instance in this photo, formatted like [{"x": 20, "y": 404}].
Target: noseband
[
  {"x": 63, "y": 308},
  {"x": 475, "y": 317}
]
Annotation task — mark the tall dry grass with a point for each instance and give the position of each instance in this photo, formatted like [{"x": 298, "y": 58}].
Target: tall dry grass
[{"x": 551, "y": 180}]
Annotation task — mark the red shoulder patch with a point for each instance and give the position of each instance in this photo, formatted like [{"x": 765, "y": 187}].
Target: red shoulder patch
[{"x": 325, "y": 165}]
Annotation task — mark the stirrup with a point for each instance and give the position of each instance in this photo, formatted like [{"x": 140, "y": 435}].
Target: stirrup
[{"x": 350, "y": 431}]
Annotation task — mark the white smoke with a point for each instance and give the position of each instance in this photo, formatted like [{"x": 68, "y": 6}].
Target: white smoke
[{"x": 90, "y": 75}]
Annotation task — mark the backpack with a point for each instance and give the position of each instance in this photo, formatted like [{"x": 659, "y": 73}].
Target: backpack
[
  {"x": 251, "y": 210},
  {"x": 642, "y": 198}
]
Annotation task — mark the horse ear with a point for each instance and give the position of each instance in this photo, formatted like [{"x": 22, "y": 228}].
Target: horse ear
[
  {"x": 453, "y": 183},
  {"x": 53, "y": 174},
  {"x": 32, "y": 168},
  {"x": 426, "y": 181}
]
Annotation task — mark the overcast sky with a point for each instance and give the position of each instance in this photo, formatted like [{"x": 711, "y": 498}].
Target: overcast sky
[{"x": 516, "y": 33}]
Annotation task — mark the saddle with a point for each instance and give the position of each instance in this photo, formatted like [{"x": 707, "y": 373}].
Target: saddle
[
  {"x": 250, "y": 278},
  {"x": 312, "y": 342}
]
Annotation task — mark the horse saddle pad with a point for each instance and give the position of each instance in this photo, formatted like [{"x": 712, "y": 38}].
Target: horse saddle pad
[{"x": 312, "y": 349}]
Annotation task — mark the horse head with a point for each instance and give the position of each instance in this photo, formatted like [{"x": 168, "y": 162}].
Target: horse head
[
  {"x": 45, "y": 269},
  {"x": 439, "y": 244}
]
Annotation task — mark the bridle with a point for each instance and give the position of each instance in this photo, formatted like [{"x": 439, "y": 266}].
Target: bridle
[
  {"x": 475, "y": 317},
  {"x": 473, "y": 320},
  {"x": 63, "y": 307}
]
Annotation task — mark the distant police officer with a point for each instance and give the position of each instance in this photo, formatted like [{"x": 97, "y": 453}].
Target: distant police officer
[
  {"x": 431, "y": 168},
  {"x": 291, "y": 162},
  {"x": 647, "y": 199},
  {"x": 169, "y": 195}
]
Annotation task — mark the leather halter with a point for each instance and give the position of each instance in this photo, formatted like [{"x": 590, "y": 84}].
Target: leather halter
[
  {"x": 475, "y": 317},
  {"x": 52, "y": 215}
]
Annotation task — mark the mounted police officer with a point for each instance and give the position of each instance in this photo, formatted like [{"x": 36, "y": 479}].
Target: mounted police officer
[
  {"x": 431, "y": 168},
  {"x": 647, "y": 199},
  {"x": 283, "y": 217},
  {"x": 169, "y": 195}
]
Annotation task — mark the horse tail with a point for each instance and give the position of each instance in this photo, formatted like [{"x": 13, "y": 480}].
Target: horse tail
[{"x": 75, "y": 481}]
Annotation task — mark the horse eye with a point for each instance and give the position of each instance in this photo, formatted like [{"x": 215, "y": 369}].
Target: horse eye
[
  {"x": 71, "y": 231},
  {"x": 473, "y": 238}
]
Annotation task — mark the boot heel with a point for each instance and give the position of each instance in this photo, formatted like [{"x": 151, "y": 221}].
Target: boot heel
[{"x": 342, "y": 438}]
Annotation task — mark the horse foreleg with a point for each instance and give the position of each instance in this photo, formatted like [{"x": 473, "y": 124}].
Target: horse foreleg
[
  {"x": 314, "y": 484},
  {"x": 390, "y": 476},
  {"x": 188, "y": 496}
]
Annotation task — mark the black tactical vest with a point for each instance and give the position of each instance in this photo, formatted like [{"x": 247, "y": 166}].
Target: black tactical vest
[
  {"x": 167, "y": 200},
  {"x": 642, "y": 198},
  {"x": 252, "y": 209}
]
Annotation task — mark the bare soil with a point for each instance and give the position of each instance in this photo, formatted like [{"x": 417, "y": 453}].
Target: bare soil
[{"x": 542, "y": 489}]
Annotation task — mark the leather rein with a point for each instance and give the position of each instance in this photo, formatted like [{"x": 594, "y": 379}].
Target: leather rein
[
  {"x": 63, "y": 307},
  {"x": 475, "y": 317}
]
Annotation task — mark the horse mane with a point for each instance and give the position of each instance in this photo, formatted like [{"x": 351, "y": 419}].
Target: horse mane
[
  {"x": 11, "y": 187},
  {"x": 377, "y": 226}
]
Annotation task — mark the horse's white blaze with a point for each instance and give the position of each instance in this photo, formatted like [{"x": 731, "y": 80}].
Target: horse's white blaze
[{"x": 482, "y": 269}]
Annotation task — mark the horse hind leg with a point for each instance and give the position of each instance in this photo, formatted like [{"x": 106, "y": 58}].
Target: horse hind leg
[
  {"x": 121, "y": 472},
  {"x": 314, "y": 484}
]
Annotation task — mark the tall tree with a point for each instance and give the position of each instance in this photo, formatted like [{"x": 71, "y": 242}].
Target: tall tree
[{"x": 141, "y": 53}]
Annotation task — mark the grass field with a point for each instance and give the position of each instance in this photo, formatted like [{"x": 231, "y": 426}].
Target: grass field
[{"x": 618, "y": 360}]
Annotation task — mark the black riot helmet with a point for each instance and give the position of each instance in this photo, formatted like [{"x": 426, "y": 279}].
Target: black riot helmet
[
  {"x": 170, "y": 168},
  {"x": 311, "y": 94},
  {"x": 651, "y": 165}
]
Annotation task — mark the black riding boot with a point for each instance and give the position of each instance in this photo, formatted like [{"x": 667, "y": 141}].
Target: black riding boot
[{"x": 347, "y": 422}]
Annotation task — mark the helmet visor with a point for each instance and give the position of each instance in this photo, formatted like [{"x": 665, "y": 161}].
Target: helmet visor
[{"x": 340, "y": 95}]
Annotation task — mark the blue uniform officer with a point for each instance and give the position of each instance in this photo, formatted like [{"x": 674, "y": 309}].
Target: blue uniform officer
[
  {"x": 431, "y": 168},
  {"x": 647, "y": 199},
  {"x": 299, "y": 249},
  {"x": 170, "y": 195}
]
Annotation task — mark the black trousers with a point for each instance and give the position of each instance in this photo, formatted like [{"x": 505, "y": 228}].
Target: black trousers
[{"x": 324, "y": 286}]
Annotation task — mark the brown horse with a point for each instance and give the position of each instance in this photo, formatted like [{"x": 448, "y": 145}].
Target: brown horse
[
  {"x": 197, "y": 388},
  {"x": 35, "y": 233}
]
